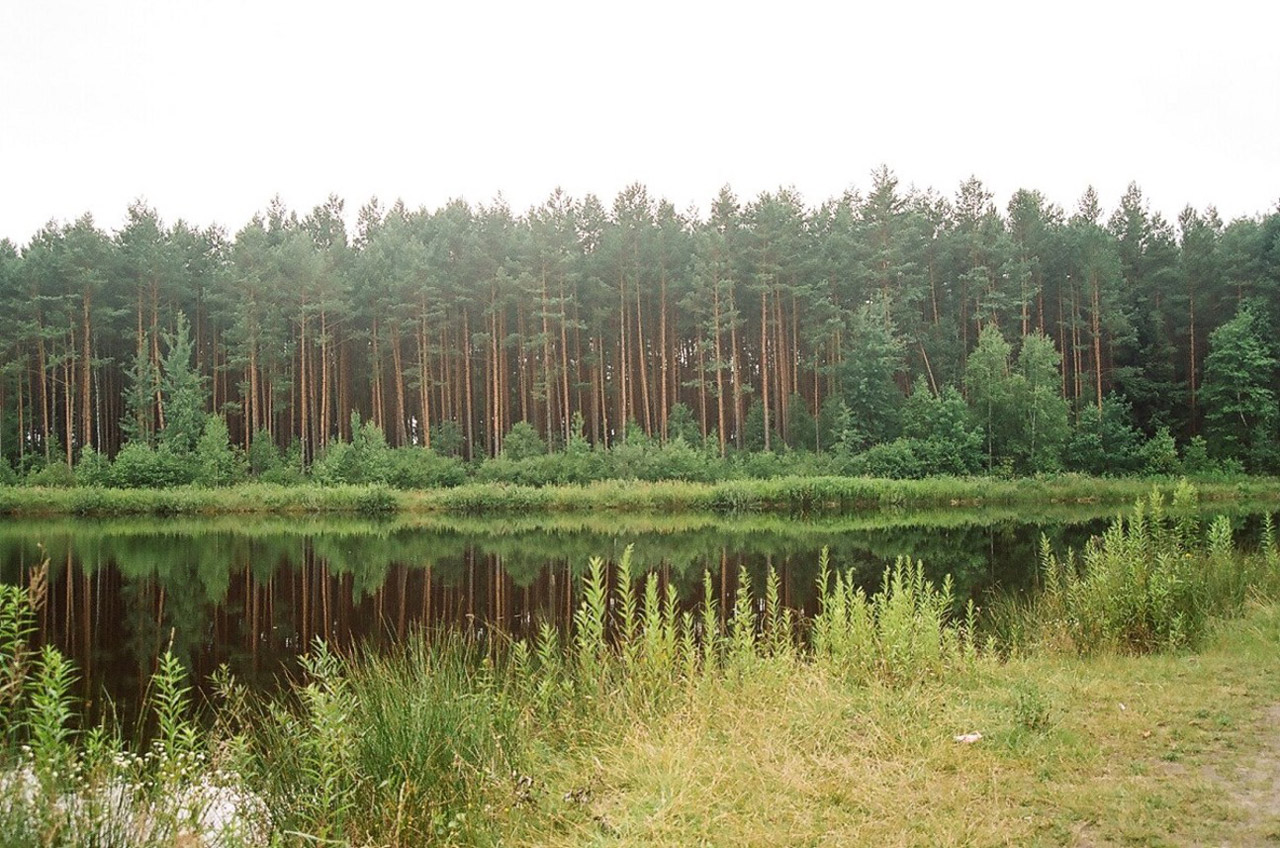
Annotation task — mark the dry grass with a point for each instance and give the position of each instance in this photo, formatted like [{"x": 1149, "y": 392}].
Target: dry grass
[{"x": 1153, "y": 750}]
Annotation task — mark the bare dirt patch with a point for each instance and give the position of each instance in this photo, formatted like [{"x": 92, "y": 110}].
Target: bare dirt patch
[{"x": 1253, "y": 786}]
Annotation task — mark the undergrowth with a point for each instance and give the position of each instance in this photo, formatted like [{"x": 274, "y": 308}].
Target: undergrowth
[{"x": 1155, "y": 580}]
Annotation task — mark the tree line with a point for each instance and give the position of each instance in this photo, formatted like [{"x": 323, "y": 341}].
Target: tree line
[{"x": 896, "y": 323}]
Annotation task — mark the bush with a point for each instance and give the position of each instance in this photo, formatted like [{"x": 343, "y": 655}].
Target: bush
[
  {"x": 522, "y": 442},
  {"x": 139, "y": 467},
  {"x": 375, "y": 501},
  {"x": 366, "y": 459},
  {"x": 1160, "y": 454},
  {"x": 219, "y": 464},
  {"x": 896, "y": 460},
  {"x": 263, "y": 455},
  {"x": 418, "y": 468},
  {"x": 1151, "y": 582},
  {"x": 93, "y": 469},
  {"x": 55, "y": 475}
]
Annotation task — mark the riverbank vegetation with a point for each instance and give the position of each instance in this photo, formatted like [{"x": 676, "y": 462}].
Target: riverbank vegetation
[
  {"x": 1131, "y": 685},
  {"x": 791, "y": 496}
]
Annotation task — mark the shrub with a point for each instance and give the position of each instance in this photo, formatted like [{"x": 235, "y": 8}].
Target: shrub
[
  {"x": 1160, "y": 454},
  {"x": 218, "y": 463},
  {"x": 55, "y": 475},
  {"x": 365, "y": 459},
  {"x": 418, "y": 468},
  {"x": 263, "y": 455},
  {"x": 376, "y": 501},
  {"x": 896, "y": 460},
  {"x": 93, "y": 469},
  {"x": 522, "y": 441},
  {"x": 1150, "y": 582},
  {"x": 139, "y": 467}
]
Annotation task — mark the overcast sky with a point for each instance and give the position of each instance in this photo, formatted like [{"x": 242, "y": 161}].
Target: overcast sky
[{"x": 206, "y": 110}]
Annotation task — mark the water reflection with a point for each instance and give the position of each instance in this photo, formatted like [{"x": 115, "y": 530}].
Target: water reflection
[{"x": 253, "y": 593}]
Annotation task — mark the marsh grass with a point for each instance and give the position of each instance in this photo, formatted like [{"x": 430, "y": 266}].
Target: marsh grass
[
  {"x": 803, "y": 496},
  {"x": 1154, "y": 580}
]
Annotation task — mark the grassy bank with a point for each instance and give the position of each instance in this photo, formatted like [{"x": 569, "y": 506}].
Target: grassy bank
[
  {"x": 807, "y": 496},
  {"x": 1132, "y": 701}
]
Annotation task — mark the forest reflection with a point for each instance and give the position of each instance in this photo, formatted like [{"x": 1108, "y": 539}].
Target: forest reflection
[{"x": 254, "y": 593}]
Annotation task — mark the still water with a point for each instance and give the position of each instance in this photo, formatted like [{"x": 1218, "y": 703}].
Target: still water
[{"x": 252, "y": 593}]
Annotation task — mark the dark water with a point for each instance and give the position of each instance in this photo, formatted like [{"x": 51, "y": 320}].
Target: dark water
[{"x": 253, "y": 593}]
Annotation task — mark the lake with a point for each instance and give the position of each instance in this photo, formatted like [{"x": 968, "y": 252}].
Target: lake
[{"x": 253, "y": 593}]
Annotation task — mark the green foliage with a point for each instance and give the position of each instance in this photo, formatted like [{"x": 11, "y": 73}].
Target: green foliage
[
  {"x": 1037, "y": 392},
  {"x": 938, "y": 438},
  {"x": 1160, "y": 454},
  {"x": 1239, "y": 391},
  {"x": 446, "y": 438},
  {"x": 16, "y": 625},
  {"x": 1152, "y": 582},
  {"x": 263, "y": 456},
  {"x": 522, "y": 442},
  {"x": 987, "y": 383},
  {"x": 835, "y": 426},
  {"x": 896, "y": 460},
  {"x": 54, "y": 475},
  {"x": 219, "y": 464},
  {"x": 141, "y": 387},
  {"x": 1019, "y": 405},
  {"x": 681, "y": 425},
  {"x": 1104, "y": 442},
  {"x": 365, "y": 459},
  {"x": 802, "y": 427},
  {"x": 868, "y": 380},
  {"x": 183, "y": 390},
  {"x": 92, "y": 469},
  {"x": 902, "y": 633},
  {"x": 137, "y": 466},
  {"x": 418, "y": 468}
]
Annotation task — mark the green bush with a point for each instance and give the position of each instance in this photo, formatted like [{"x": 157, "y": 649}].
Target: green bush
[
  {"x": 93, "y": 469},
  {"x": 896, "y": 460},
  {"x": 522, "y": 441},
  {"x": 218, "y": 463},
  {"x": 263, "y": 456},
  {"x": 419, "y": 468},
  {"x": 365, "y": 459},
  {"x": 140, "y": 467},
  {"x": 55, "y": 475},
  {"x": 1152, "y": 581},
  {"x": 375, "y": 501},
  {"x": 1160, "y": 454}
]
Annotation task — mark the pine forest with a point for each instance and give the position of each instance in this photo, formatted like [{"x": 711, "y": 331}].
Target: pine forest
[{"x": 920, "y": 332}]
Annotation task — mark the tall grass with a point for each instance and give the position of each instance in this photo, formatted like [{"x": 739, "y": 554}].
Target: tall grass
[
  {"x": 66, "y": 785},
  {"x": 903, "y": 632},
  {"x": 440, "y": 740},
  {"x": 1153, "y": 581},
  {"x": 797, "y": 495}
]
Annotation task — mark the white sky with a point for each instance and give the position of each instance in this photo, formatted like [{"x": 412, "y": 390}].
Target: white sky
[{"x": 208, "y": 109}]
